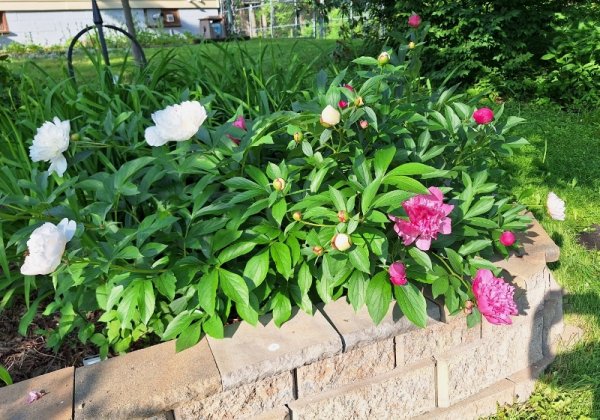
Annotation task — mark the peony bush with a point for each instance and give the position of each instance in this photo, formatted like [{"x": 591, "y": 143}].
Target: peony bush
[{"x": 163, "y": 221}]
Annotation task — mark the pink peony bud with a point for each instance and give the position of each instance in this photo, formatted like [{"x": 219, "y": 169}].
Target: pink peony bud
[
  {"x": 397, "y": 273},
  {"x": 343, "y": 104},
  {"x": 383, "y": 58},
  {"x": 297, "y": 216},
  {"x": 342, "y": 216},
  {"x": 240, "y": 122},
  {"x": 279, "y": 184},
  {"x": 507, "y": 238},
  {"x": 483, "y": 116},
  {"x": 318, "y": 250},
  {"x": 414, "y": 20},
  {"x": 350, "y": 88},
  {"x": 364, "y": 124},
  {"x": 341, "y": 242}
]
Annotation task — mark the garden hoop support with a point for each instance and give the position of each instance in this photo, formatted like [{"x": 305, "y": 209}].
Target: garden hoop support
[{"x": 99, "y": 26}]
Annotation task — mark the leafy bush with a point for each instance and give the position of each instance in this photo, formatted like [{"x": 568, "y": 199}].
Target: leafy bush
[{"x": 289, "y": 207}]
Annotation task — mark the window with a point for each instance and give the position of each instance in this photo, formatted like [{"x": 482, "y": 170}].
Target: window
[
  {"x": 171, "y": 18},
  {"x": 3, "y": 23}
]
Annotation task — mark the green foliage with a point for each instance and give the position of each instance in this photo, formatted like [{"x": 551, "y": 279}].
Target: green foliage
[
  {"x": 5, "y": 376},
  {"x": 175, "y": 241}
]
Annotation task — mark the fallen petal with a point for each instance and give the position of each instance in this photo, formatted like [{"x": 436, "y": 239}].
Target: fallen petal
[{"x": 35, "y": 395}]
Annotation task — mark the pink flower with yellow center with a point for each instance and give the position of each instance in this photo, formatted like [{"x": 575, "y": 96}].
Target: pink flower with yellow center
[
  {"x": 427, "y": 217},
  {"x": 495, "y": 297}
]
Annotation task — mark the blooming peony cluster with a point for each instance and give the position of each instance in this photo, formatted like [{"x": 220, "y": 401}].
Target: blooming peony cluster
[
  {"x": 46, "y": 246},
  {"x": 495, "y": 297},
  {"x": 49, "y": 144},
  {"x": 175, "y": 123},
  {"x": 427, "y": 217}
]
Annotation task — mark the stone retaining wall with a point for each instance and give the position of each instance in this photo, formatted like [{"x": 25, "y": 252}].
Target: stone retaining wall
[{"x": 335, "y": 364}]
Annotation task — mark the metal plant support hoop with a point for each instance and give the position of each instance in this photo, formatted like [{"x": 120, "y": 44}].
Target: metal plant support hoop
[{"x": 99, "y": 26}]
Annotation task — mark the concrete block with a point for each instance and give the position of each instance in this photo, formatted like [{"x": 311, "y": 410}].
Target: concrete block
[
  {"x": 553, "y": 315},
  {"x": 481, "y": 404},
  {"x": 245, "y": 401},
  {"x": 502, "y": 351},
  {"x": 279, "y": 413},
  {"x": 524, "y": 379},
  {"x": 535, "y": 240},
  {"x": 346, "y": 368},
  {"x": 419, "y": 344},
  {"x": 249, "y": 353},
  {"x": 146, "y": 382},
  {"x": 401, "y": 393},
  {"x": 57, "y": 403},
  {"x": 357, "y": 328}
]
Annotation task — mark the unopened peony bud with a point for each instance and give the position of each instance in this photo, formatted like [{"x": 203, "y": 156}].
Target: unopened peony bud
[
  {"x": 383, "y": 58},
  {"x": 279, "y": 184},
  {"x": 469, "y": 304},
  {"x": 342, "y": 216},
  {"x": 318, "y": 250},
  {"x": 414, "y": 21},
  {"x": 75, "y": 137},
  {"x": 297, "y": 216},
  {"x": 411, "y": 45},
  {"x": 507, "y": 238},
  {"x": 483, "y": 116},
  {"x": 364, "y": 124},
  {"x": 330, "y": 116},
  {"x": 343, "y": 104},
  {"x": 359, "y": 101},
  {"x": 341, "y": 242},
  {"x": 298, "y": 136}
]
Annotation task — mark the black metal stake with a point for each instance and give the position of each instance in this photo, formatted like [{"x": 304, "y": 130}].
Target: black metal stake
[{"x": 99, "y": 26}]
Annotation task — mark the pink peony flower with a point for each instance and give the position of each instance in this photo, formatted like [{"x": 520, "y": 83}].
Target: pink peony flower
[
  {"x": 507, "y": 238},
  {"x": 398, "y": 274},
  {"x": 240, "y": 123},
  {"x": 414, "y": 20},
  {"x": 342, "y": 104},
  {"x": 495, "y": 297},
  {"x": 483, "y": 116},
  {"x": 427, "y": 216}
]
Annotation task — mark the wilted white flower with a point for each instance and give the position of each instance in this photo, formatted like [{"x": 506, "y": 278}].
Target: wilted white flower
[
  {"x": 46, "y": 246},
  {"x": 330, "y": 116},
  {"x": 49, "y": 143},
  {"x": 555, "y": 206},
  {"x": 175, "y": 123},
  {"x": 341, "y": 242}
]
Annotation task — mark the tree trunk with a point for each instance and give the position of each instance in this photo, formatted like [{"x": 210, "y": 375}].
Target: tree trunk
[{"x": 137, "y": 54}]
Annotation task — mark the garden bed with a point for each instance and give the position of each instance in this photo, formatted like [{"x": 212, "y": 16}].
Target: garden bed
[{"x": 335, "y": 363}]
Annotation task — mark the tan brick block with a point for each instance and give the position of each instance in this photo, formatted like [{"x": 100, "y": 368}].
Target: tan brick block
[
  {"x": 502, "y": 351},
  {"x": 56, "y": 404},
  {"x": 399, "y": 394},
  {"x": 146, "y": 382},
  {"x": 249, "y": 353},
  {"x": 279, "y": 413},
  {"x": 481, "y": 404},
  {"x": 244, "y": 401},
  {"x": 421, "y": 344},
  {"x": 346, "y": 368}
]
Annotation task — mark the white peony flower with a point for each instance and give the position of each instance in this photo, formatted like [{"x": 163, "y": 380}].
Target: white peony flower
[
  {"x": 555, "y": 206},
  {"x": 175, "y": 123},
  {"x": 341, "y": 242},
  {"x": 330, "y": 116},
  {"x": 46, "y": 246},
  {"x": 49, "y": 143}
]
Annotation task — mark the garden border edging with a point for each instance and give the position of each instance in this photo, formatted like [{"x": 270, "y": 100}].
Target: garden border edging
[{"x": 335, "y": 362}]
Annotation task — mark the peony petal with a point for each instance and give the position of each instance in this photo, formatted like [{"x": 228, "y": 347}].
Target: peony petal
[
  {"x": 59, "y": 165},
  {"x": 423, "y": 244},
  {"x": 437, "y": 193},
  {"x": 153, "y": 137},
  {"x": 67, "y": 228},
  {"x": 446, "y": 227}
]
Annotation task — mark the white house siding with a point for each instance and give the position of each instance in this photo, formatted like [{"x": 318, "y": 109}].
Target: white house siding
[{"x": 59, "y": 27}]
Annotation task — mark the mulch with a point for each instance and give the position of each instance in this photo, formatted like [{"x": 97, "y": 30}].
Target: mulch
[
  {"x": 590, "y": 238},
  {"x": 27, "y": 357}
]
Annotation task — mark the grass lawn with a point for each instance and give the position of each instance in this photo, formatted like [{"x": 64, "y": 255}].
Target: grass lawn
[
  {"x": 564, "y": 157},
  {"x": 273, "y": 49}
]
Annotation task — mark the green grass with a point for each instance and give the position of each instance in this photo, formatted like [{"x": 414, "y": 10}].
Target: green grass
[
  {"x": 570, "y": 389},
  {"x": 277, "y": 49}
]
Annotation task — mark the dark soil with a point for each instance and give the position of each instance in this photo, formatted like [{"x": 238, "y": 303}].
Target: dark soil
[
  {"x": 590, "y": 238},
  {"x": 27, "y": 357}
]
